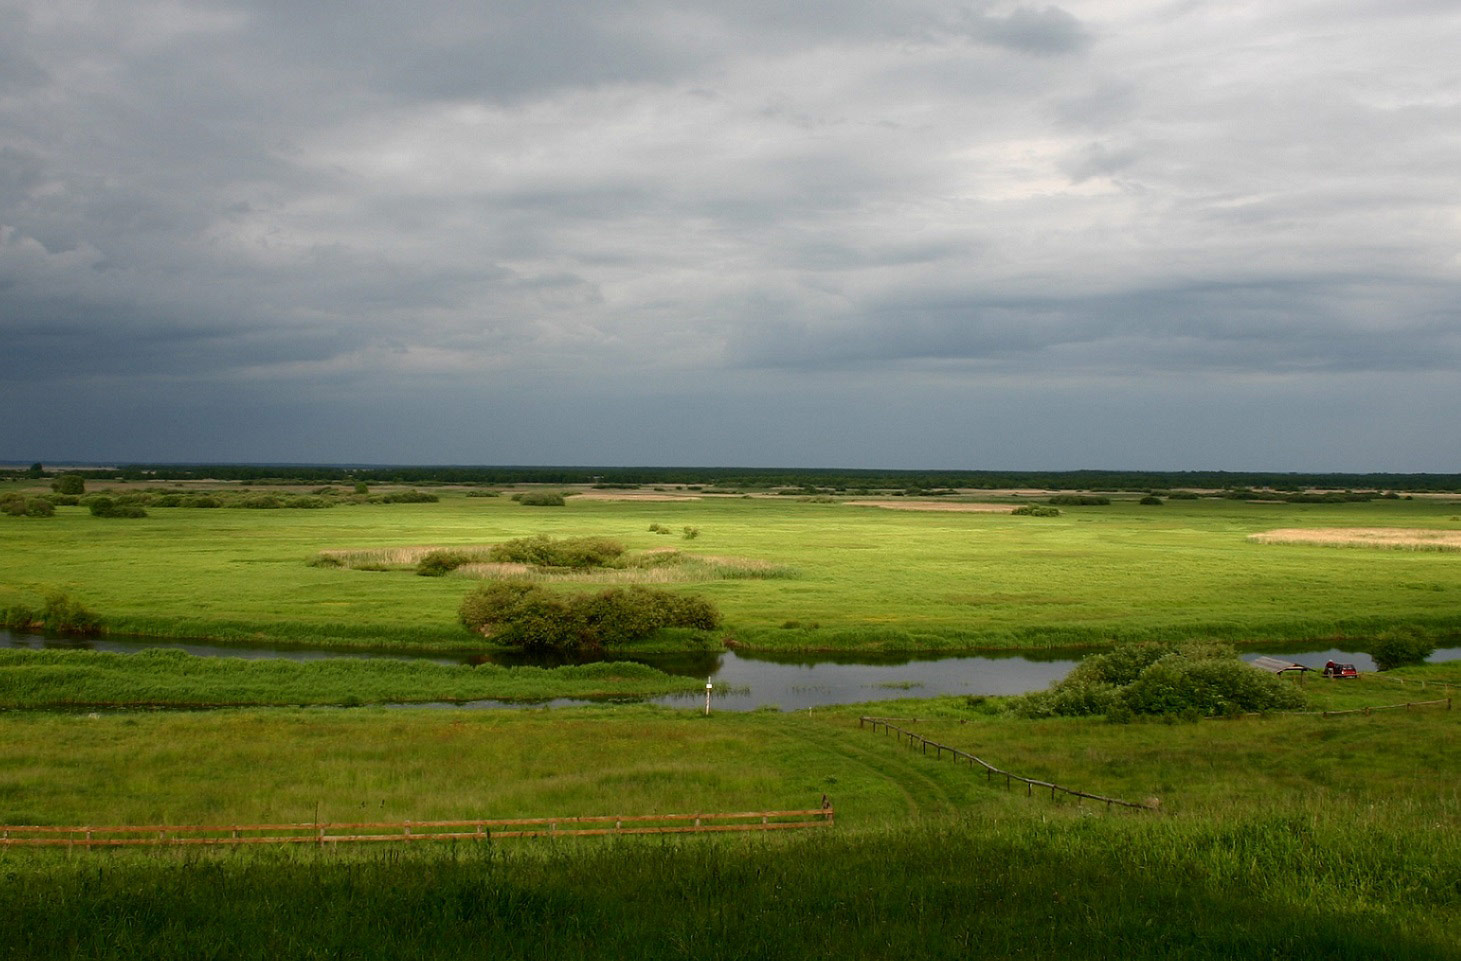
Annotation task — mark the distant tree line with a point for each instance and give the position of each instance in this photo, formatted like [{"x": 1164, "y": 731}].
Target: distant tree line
[{"x": 793, "y": 480}]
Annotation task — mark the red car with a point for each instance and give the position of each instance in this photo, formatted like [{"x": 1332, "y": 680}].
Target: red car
[{"x": 1332, "y": 669}]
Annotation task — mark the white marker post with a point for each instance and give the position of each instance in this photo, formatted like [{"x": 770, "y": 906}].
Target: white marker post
[{"x": 707, "y": 697}]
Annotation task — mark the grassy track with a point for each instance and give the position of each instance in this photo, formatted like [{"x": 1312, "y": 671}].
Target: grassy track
[{"x": 868, "y": 578}]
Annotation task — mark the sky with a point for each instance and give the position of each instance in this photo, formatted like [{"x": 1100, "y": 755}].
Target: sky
[{"x": 1124, "y": 234}]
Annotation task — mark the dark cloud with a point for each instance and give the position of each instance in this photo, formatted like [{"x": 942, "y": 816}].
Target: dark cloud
[{"x": 312, "y": 206}]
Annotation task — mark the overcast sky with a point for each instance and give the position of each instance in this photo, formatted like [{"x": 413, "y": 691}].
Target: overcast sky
[{"x": 863, "y": 233}]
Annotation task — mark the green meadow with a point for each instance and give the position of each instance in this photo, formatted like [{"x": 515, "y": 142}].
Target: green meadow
[
  {"x": 1284, "y": 835},
  {"x": 1277, "y": 837},
  {"x": 841, "y": 577}
]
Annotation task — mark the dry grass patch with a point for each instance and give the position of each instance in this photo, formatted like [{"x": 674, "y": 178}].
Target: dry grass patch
[
  {"x": 657, "y": 566},
  {"x": 385, "y": 558},
  {"x": 630, "y": 496},
  {"x": 1385, "y": 538},
  {"x": 950, "y": 506}
]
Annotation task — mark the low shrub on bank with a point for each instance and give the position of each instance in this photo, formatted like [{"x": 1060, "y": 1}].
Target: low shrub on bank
[
  {"x": 60, "y": 614},
  {"x": 1036, "y": 510},
  {"x": 1392, "y": 650},
  {"x": 534, "y": 618},
  {"x": 1195, "y": 679}
]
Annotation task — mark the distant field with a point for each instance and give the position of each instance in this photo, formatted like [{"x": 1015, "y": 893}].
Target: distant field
[{"x": 849, "y": 577}]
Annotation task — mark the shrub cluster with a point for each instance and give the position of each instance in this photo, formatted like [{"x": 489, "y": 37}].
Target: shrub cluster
[
  {"x": 532, "y": 618},
  {"x": 60, "y": 614},
  {"x": 409, "y": 497},
  {"x": 1079, "y": 500},
  {"x": 1392, "y": 650},
  {"x": 102, "y": 506},
  {"x": 1036, "y": 510},
  {"x": 1193, "y": 680},
  {"x": 540, "y": 499},
  {"x": 543, "y": 551},
  {"x": 19, "y": 505},
  {"x": 1152, "y": 500}
]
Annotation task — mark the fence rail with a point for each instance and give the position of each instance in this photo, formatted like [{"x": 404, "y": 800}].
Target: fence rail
[
  {"x": 481, "y": 829},
  {"x": 991, "y": 772}
]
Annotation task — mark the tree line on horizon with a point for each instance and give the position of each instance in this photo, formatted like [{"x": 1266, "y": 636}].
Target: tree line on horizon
[{"x": 799, "y": 479}]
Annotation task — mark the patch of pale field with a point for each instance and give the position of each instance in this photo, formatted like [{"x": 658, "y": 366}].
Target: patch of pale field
[
  {"x": 631, "y": 496},
  {"x": 1394, "y": 538},
  {"x": 948, "y": 506}
]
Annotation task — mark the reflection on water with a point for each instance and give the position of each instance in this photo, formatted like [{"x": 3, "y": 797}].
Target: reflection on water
[{"x": 790, "y": 681}]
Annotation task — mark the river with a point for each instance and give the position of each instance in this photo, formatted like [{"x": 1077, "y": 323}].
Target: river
[{"x": 746, "y": 681}]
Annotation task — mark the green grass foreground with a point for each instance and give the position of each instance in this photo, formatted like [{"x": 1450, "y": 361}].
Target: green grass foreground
[
  {"x": 1279, "y": 837},
  {"x": 165, "y": 678},
  {"x": 866, "y": 578}
]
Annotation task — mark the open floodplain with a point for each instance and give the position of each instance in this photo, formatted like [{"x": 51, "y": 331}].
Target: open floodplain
[{"x": 1281, "y": 835}]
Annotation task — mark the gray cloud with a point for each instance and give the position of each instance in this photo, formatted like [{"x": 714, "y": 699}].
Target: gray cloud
[{"x": 201, "y": 200}]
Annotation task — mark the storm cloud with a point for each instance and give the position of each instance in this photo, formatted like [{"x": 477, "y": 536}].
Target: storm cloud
[{"x": 650, "y": 232}]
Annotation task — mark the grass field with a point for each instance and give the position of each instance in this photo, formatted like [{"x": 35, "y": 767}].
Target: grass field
[
  {"x": 1287, "y": 837},
  {"x": 867, "y": 578}
]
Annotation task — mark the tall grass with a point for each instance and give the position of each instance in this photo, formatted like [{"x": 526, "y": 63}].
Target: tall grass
[{"x": 165, "y": 678}]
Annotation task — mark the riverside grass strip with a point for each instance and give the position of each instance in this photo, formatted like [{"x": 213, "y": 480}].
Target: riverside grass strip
[
  {"x": 163, "y": 835},
  {"x": 991, "y": 771}
]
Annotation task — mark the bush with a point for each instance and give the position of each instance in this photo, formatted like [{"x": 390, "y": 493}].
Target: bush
[
  {"x": 689, "y": 533},
  {"x": 107, "y": 507},
  {"x": 1397, "y": 650},
  {"x": 61, "y": 613},
  {"x": 532, "y": 618},
  {"x": 1152, "y": 500},
  {"x": 1079, "y": 500},
  {"x": 1211, "y": 687},
  {"x": 200, "y": 500},
  {"x": 261, "y": 502},
  {"x": 438, "y": 563},
  {"x": 409, "y": 497},
  {"x": 1035, "y": 510},
  {"x": 1195, "y": 680},
  {"x": 540, "y": 499},
  {"x": 69, "y": 484},
  {"x": 572, "y": 552}
]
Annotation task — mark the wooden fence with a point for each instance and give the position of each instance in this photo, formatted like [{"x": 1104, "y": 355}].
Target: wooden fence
[
  {"x": 990, "y": 771},
  {"x": 407, "y": 831},
  {"x": 1408, "y": 705},
  {"x": 1444, "y": 702}
]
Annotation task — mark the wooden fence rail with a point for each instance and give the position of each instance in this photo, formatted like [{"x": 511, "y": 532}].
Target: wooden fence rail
[
  {"x": 990, "y": 771},
  {"x": 470, "y": 830},
  {"x": 1443, "y": 702}
]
